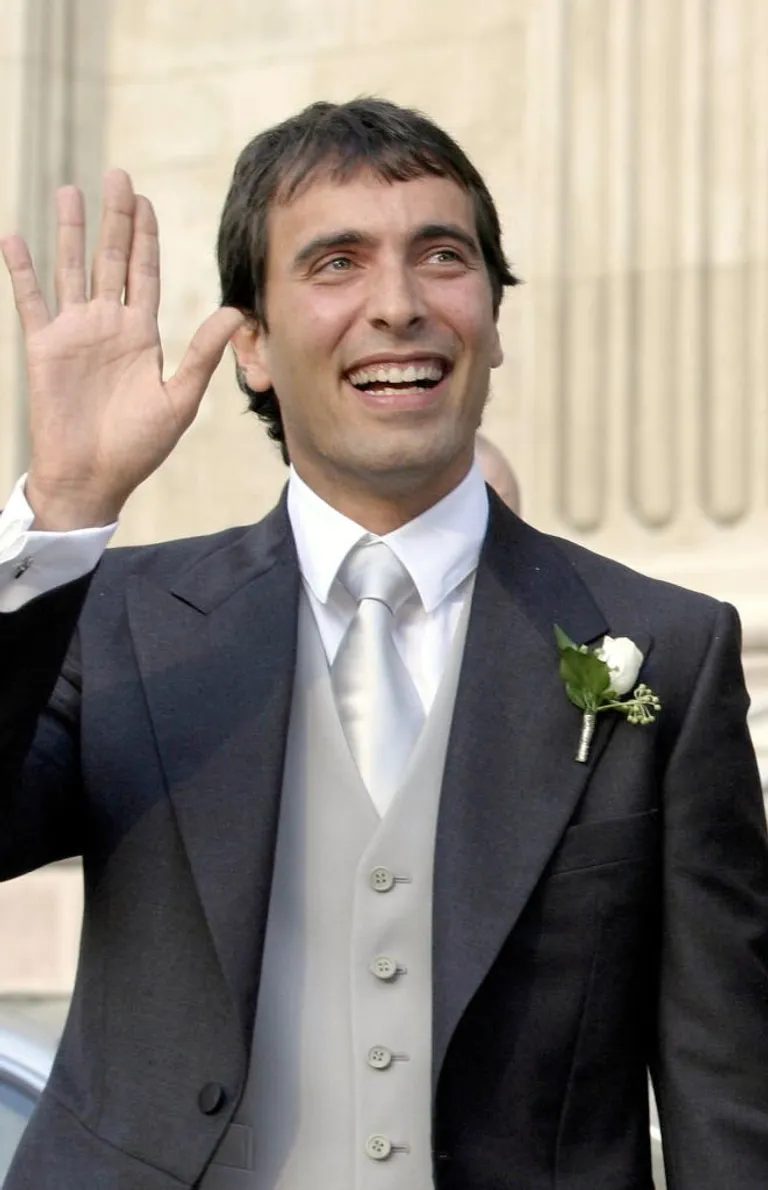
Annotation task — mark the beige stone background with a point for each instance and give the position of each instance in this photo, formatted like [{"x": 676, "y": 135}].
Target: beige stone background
[{"x": 625, "y": 142}]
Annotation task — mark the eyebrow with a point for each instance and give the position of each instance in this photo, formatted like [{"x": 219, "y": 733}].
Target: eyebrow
[
  {"x": 447, "y": 231},
  {"x": 321, "y": 244},
  {"x": 350, "y": 238}
]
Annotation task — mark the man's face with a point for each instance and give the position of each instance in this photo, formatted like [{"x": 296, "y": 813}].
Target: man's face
[{"x": 381, "y": 333}]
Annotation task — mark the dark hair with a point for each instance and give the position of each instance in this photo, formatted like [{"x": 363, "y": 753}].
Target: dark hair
[{"x": 395, "y": 142}]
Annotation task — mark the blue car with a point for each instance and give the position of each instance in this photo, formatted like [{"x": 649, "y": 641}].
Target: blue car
[{"x": 29, "y": 1034}]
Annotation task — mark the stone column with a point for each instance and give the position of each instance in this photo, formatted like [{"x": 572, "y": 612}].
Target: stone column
[{"x": 649, "y": 282}]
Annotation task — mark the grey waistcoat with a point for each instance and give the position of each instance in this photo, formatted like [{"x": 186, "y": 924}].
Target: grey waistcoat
[{"x": 339, "y": 1090}]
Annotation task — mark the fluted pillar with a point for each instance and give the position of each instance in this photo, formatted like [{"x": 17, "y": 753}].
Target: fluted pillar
[{"x": 649, "y": 284}]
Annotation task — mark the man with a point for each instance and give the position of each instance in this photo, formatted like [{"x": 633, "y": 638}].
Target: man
[
  {"x": 497, "y": 472},
  {"x": 355, "y": 915}
]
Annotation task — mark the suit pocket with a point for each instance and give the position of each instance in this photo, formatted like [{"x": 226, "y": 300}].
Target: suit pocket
[
  {"x": 234, "y": 1150},
  {"x": 612, "y": 841}
]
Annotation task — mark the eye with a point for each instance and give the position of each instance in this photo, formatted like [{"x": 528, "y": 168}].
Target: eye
[
  {"x": 337, "y": 264},
  {"x": 445, "y": 256}
]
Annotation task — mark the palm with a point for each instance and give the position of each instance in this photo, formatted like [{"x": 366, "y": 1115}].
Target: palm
[
  {"x": 101, "y": 417},
  {"x": 95, "y": 387}
]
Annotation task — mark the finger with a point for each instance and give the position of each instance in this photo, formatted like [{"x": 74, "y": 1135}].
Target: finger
[
  {"x": 70, "y": 246},
  {"x": 143, "y": 287},
  {"x": 187, "y": 386},
  {"x": 30, "y": 303},
  {"x": 110, "y": 264}
]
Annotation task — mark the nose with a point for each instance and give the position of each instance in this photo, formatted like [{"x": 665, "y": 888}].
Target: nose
[{"x": 395, "y": 301}]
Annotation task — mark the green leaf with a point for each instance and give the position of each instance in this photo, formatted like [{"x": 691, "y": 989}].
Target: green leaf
[
  {"x": 586, "y": 671},
  {"x": 563, "y": 640},
  {"x": 576, "y": 697}
]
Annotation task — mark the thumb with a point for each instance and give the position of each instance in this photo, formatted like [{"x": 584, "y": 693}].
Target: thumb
[{"x": 192, "y": 377}]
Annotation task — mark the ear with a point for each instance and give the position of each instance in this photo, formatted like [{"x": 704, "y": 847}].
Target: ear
[
  {"x": 250, "y": 348},
  {"x": 497, "y": 352}
]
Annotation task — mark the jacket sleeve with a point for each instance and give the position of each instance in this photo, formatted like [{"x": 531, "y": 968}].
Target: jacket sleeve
[
  {"x": 711, "y": 1069},
  {"x": 40, "y": 802}
]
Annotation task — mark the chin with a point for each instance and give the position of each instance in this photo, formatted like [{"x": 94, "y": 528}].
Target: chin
[{"x": 404, "y": 465}]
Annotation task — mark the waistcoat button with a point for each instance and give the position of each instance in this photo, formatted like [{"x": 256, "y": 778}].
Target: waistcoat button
[
  {"x": 378, "y": 1147},
  {"x": 382, "y": 880},
  {"x": 380, "y": 1058},
  {"x": 384, "y": 968},
  {"x": 211, "y": 1099}
]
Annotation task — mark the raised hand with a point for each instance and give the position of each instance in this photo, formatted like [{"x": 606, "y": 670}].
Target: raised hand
[{"x": 101, "y": 417}]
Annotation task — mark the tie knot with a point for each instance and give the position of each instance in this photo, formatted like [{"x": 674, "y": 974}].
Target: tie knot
[{"x": 372, "y": 571}]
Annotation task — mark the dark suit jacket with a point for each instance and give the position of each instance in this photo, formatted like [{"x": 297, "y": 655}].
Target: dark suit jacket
[{"x": 591, "y": 921}]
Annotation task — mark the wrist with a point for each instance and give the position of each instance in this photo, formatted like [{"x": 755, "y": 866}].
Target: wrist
[{"x": 65, "y": 508}]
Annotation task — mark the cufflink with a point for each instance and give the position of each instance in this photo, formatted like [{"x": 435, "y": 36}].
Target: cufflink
[{"x": 22, "y": 567}]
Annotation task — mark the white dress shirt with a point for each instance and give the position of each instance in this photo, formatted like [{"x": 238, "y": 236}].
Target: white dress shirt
[
  {"x": 32, "y": 562},
  {"x": 440, "y": 550}
]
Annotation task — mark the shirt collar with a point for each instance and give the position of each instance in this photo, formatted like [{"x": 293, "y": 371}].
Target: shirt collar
[{"x": 440, "y": 548}]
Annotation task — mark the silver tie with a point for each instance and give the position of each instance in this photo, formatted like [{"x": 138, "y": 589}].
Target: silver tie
[{"x": 379, "y": 707}]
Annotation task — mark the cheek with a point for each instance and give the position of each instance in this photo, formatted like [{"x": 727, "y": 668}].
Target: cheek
[
  {"x": 316, "y": 324},
  {"x": 468, "y": 310},
  {"x": 302, "y": 367}
]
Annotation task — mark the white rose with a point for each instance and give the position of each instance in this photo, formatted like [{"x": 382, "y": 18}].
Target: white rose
[{"x": 623, "y": 659}]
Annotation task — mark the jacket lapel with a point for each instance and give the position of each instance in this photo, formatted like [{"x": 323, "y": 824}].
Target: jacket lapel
[
  {"x": 511, "y": 782},
  {"x": 216, "y": 652}
]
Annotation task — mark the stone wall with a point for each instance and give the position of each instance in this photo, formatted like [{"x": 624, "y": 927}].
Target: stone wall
[{"x": 625, "y": 144}]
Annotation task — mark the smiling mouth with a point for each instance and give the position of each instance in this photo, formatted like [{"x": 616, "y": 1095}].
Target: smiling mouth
[{"x": 389, "y": 379}]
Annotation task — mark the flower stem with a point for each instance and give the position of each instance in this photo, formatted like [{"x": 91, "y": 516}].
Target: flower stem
[{"x": 585, "y": 739}]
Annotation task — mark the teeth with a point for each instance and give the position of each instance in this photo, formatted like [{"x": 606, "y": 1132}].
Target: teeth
[{"x": 397, "y": 374}]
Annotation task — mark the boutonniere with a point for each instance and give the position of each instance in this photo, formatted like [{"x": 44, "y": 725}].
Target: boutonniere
[{"x": 598, "y": 679}]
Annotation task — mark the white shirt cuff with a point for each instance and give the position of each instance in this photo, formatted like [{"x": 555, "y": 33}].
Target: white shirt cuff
[{"x": 33, "y": 562}]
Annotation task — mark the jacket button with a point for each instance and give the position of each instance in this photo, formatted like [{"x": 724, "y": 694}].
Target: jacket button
[{"x": 211, "y": 1099}]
